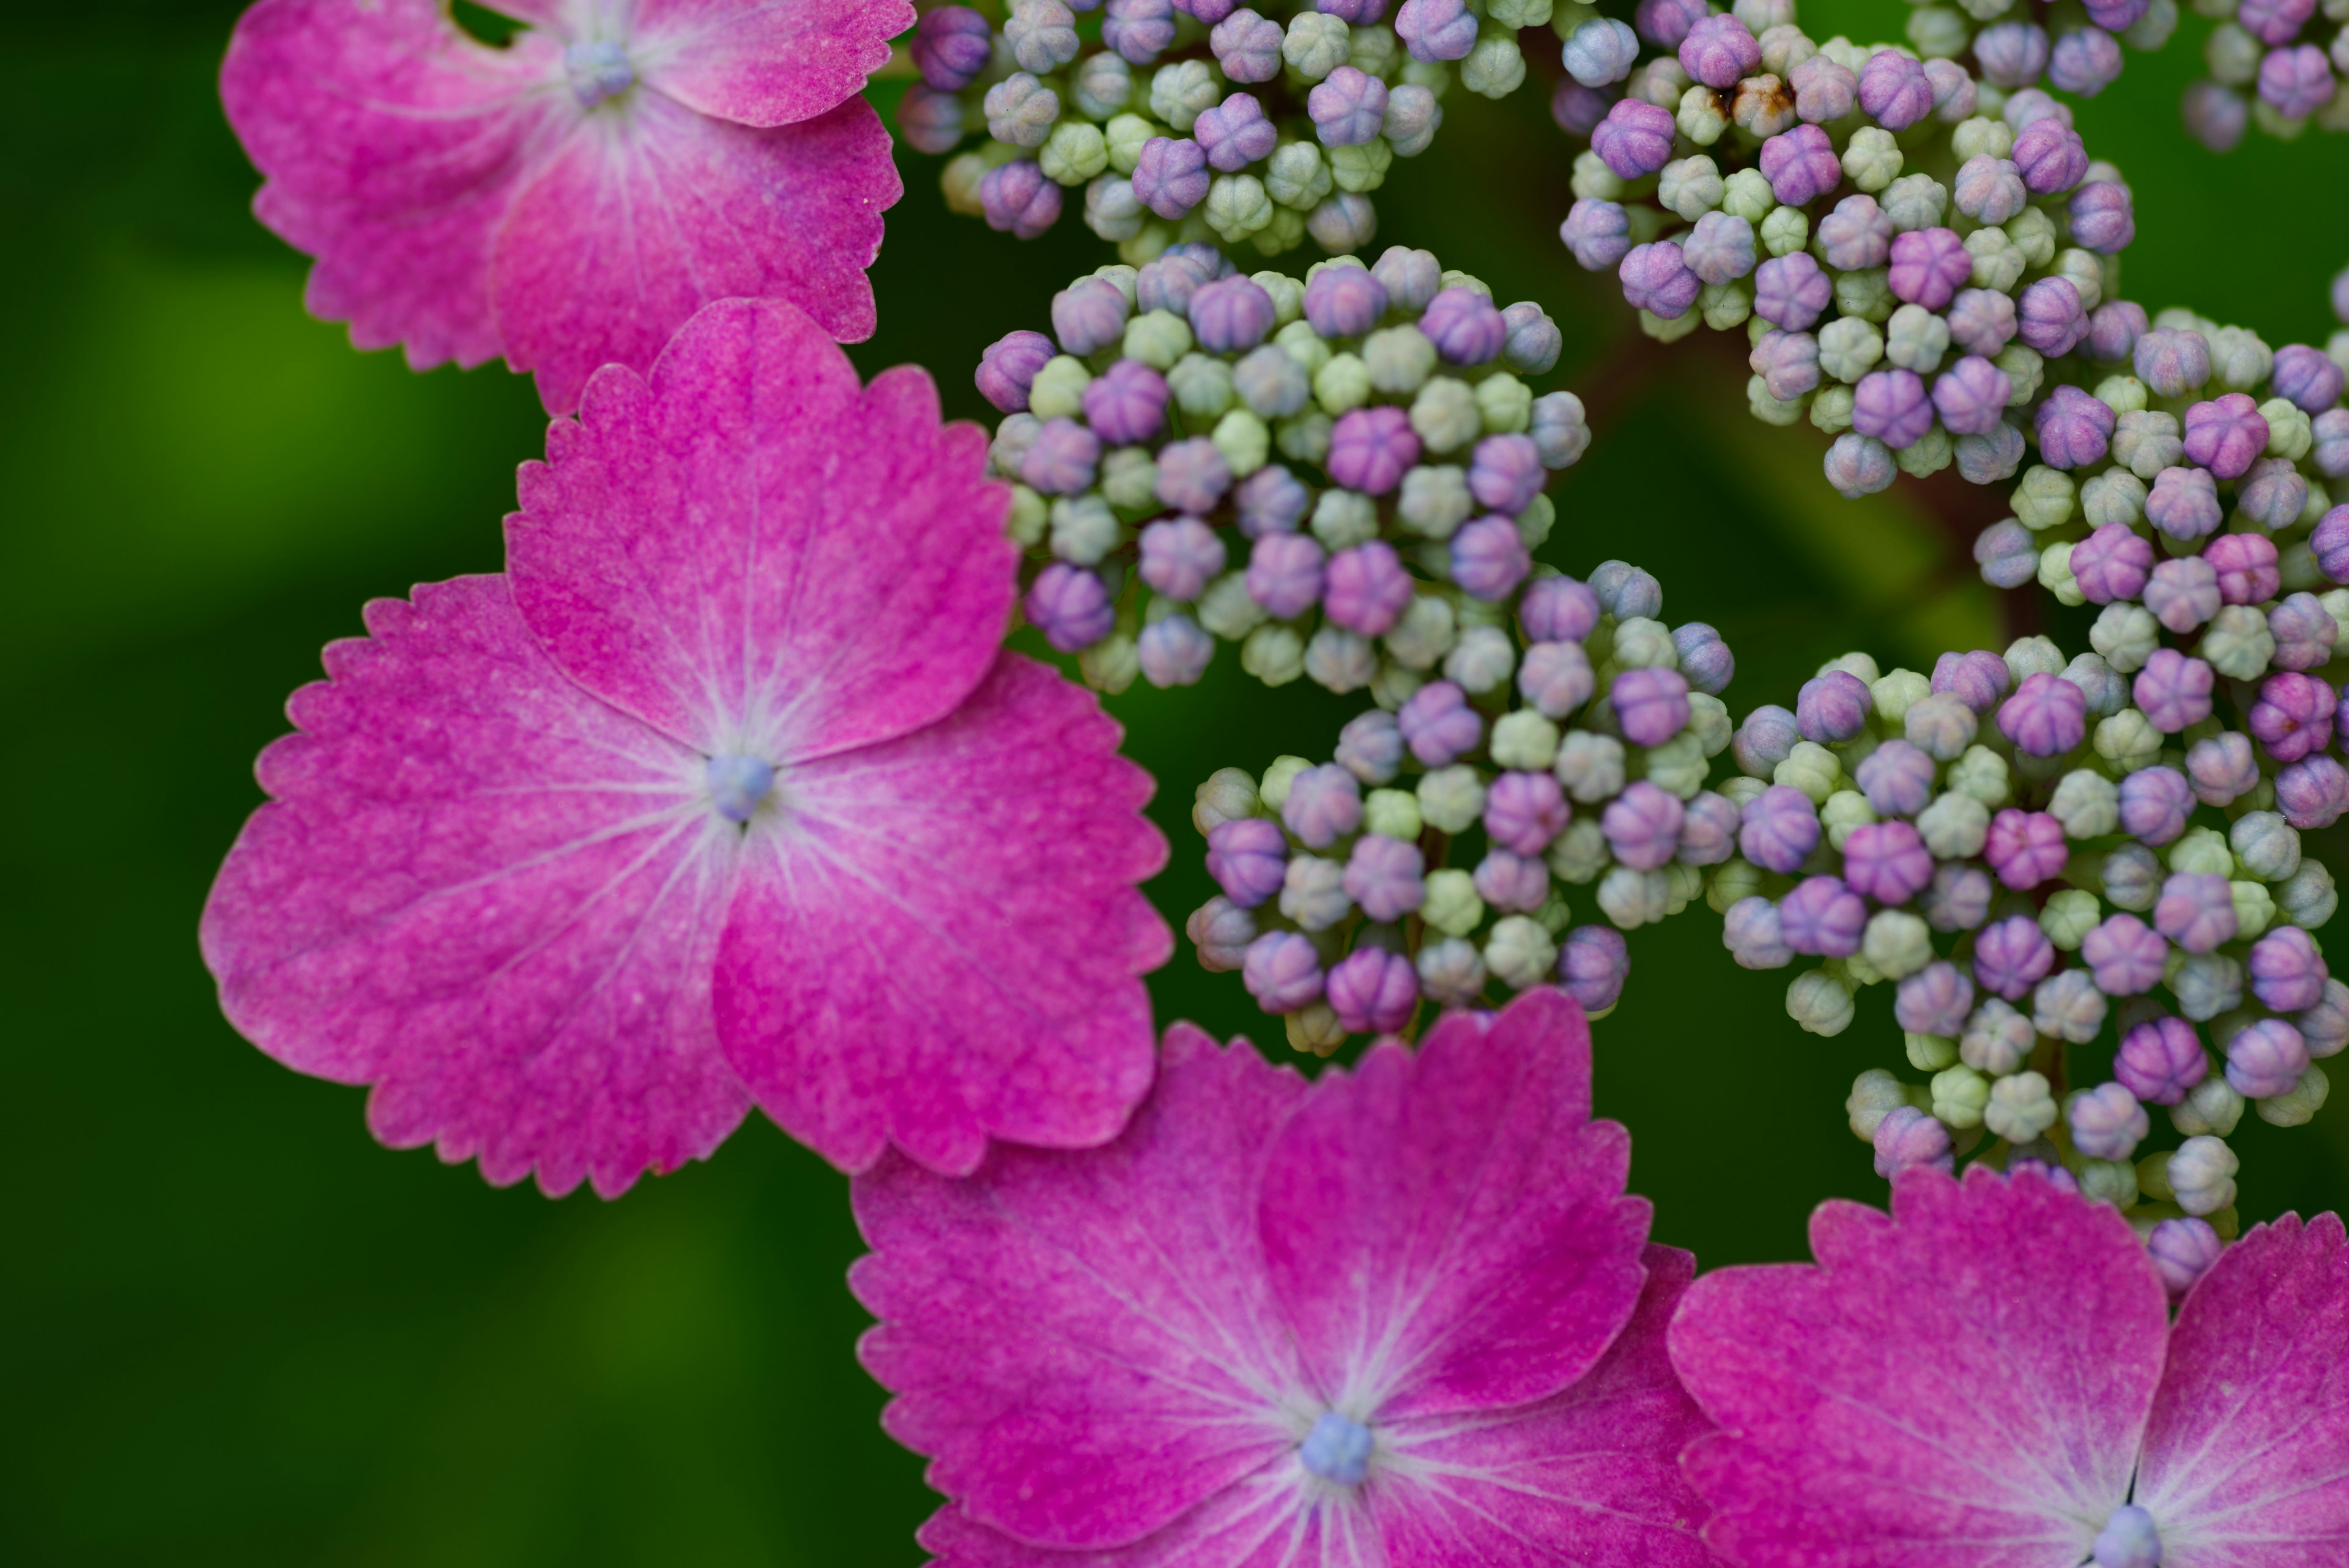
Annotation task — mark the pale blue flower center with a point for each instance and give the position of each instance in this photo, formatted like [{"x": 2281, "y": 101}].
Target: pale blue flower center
[
  {"x": 737, "y": 785},
  {"x": 2129, "y": 1539},
  {"x": 599, "y": 72},
  {"x": 1338, "y": 1450}
]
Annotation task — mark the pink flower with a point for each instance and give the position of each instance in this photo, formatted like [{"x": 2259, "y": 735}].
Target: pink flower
[
  {"x": 1401, "y": 1315},
  {"x": 569, "y": 200},
  {"x": 1988, "y": 1376},
  {"x": 723, "y": 794}
]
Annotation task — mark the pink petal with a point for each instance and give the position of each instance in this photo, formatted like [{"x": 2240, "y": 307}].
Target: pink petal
[
  {"x": 393, "y": 146},
  {"x": 1963, "y": 1384},
  {"x": 1085, "y": 1344},
  {"x": 1447, "y": 1230},
  {"x": 752, "y": 554},
  {"x": 1588, "y": 1477},
  {"x": 1263, "y": 1520},
  {"x": 942, "y": 946},
  {"x": 488, "y": 893},
  {"x": 2247, "y": 1460},
  {"x": 653, "y": 211},
  {"x": 764, "y": 62}
]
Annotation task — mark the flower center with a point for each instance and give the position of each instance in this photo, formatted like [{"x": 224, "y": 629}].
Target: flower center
[
  {"x": 2129, "y": 1539},
  {"x": 737, "y": 785},
  {"x": 599, "y": 72},
  {"x": 1338, "y": 1450}
]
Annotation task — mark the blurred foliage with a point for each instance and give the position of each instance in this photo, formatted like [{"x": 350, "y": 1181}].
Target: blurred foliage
[{"x": 235, "y": 1330}]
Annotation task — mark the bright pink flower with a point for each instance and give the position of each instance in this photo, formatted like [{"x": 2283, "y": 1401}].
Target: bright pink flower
[
  {"x": 569, "y": 200},
  {"x": 723, "y": 794},
  {"x": 1400, "y": 1315},
  {"x": 1988, "y": 1377}
]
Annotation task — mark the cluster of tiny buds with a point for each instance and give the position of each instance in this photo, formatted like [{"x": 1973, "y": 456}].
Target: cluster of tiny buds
[
  {"x": 1186, "y": 120},
  {"x": 2290, "y": 57},
  {"x": 1344, "y": 474},
  {"x": 2037, "y": 852},
  {"x": 1428, "y": 862}
]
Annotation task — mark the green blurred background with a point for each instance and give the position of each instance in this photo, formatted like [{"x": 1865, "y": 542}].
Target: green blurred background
[{"x": 234, "y": 1330}]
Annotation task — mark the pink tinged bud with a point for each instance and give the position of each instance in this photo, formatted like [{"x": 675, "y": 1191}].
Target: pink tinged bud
[
  {"x": 1438, "y": 725},
  {"x": 1972, "y": 396},
  {"x": 2012, "y": 955},
  {"x": 1800, "y": 164},
  {"x": 951, "y": 47},
  {"x": 1170, "y": 176},
  {"x": 1780, "y": 830},
  {"x": 1856, "y": 234},
  {"x": 1643, "y": 826},
  {"x": 2182, "y": 594},
  {"x": 2296, "y": 82},
  {"x": 1959, "y": 900},
  {"x": 1168, "y": 283},
  {"x": 2074, "y": 429},
  {"x": 1989, "y": 189},
  {"x": 1514, "y": 883},
  {"x": 1667, "y": 23},
  {"x": 1282, "y": 972},
  {"x": 1886, "y": 861},
  {"x": 2051, "y": 318},
  {"x": 1907, "y": 1138},
  {"x": 1372, "y": 448},
  {"x": 1524, "y": 811},
  {"x": 2329, "y": 542},
  {"x": 2246, "y": 564},
  {"x": 1070, "y": 606},
  {"x": 1558, "y": 610},
  {"x": 2266, "y": 1059},
  {"x": 2102, "y": 220},
  {"x": 1466, "y": 327},
  {"x": 2216, "y": 115},
  {"x": 1788, "y": 362},
  {"x": 1126, "y": 404},
  {"x": 2106, "y": 1122},
  {"x": 1858, "y": 464},
  {"x": 1344, "y": 302},
  {"x": 2050, "y": 157},
  {"x": 2184, "y": 503},
  {"x": 1719, "y": 52},
  {"x": 2155, "y": 803},
  {"x": 2025, "y": 849},
  {"x": 2288, "y": 974},
  {"x": 1635, "y": 140},
  {"x": 1346, "y": 107},
  {"x": 1193, "y": 475},
  {"x": 2305, "y": 378},
  {"x": 2182, "y": 1252},
  {"x": 1822, "y": 916},
  {"x": 2272, "y": 493},
  {"x": 1833, "y": 707},
  {"x": 1246, "y": 46},
  {"x": 1655, "y": 279},
  {"x": 2173, "y": 690},
  {"x": 1285, "y": 574},
  {"x": 2313, "y": 792},
  {"x": 2293, "y": 716},
  {"x": 1231, "y": 314},
  {"x": 1009, "y": 369},
  {"x": 1753, "y": 936},
  {"x": 1791, "y": 291},
  {"x": 1180, "y": 557},
  {"x": 2274, "y": 21},
  {"x": 2303, "y": 630},
  {"x": 1248, "y": 857},
  {"x": 1324, "y": 806},
  {"x": 1018, "y": 200},
  {"x": 1936, "y": 1000},
  {"x": 1891, "y": 406},
  {"x": 1894, "y": 91},
  {"x": 2172, "y": 361},
  {"x": 2197, "y": 911},
  {"x": 1556, "y": 678},
  {"x": 2046, "y": 717},
  {"x": 1928, "y": 267},
  {"x": 2160, "y": 1060},
  {"x": 1139, "y": 30},
  {"x": 2127, "y": 956},
  {"x": 1709, "y": 835},
  {"x": 1978, "y": 678},
  {"x": 1598, "y": 232},
  {"x": 1061, "y": 459},
  {"x": 2222, "y": 768},
  {"x": 1368, "y": 589},
  {"x": 1897, "y": 778},
  {"x": 2115, "y": 325},
  {"x": 2085, "y": 61},
  {"x": 1489, "y": 559},
  {"x": 1955, "y": 96},
  {"x": 1373, "y": 991},
  {"x": 2112, "y": 564},
  {"x": 1652, "y": 706},
  {"x": 2012, "y": 54},
  {"x": 1436, "y": 29},
  {"x": 1593, "y": 962},
  {"x": 2226, "y": 434},
  {"x": 1088, "y": 317},
  {"x": 1824, "y": 90}
]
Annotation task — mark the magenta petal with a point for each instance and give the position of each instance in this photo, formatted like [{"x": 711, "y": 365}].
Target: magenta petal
[
  {"x": 942, "y": 944},
  {"x": 1963, "y": 1383},
  {"x": 393, "y": 145},
  {"x": 753, "y": 553},
  {"x": 761, "y": 62},
  {"x": 490, "y": 895},
  {"x": 1085, "y": 1345},
  {"x": 649, "y": 213},
  {"x": 1592, "y": 1473},
  {"x": 1258, "y": 1522},
  {"x": 2244, "y": 1461},
  {"x": 1447, "y": 1230}
]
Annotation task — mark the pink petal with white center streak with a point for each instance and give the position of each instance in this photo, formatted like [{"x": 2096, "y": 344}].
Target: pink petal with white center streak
[
  {"x": 1589, "y": 1477},
  {"x": 1961, "y": 1385},
  {"x": 941, "y": 944},
  {"x": 1083, "y": 1342},
  {"x": 490, "y": 895},
  {"x": 2247, "y": 1460},
  {"x": 764, "y": 62},
  {"x": 754, "y": 554},
  {"x": 653, "y": 211},
  {"x": 1262, "y": 1521},
  {"x": 393, "y": 146},
  {"x": 1447, "y": 1228}
]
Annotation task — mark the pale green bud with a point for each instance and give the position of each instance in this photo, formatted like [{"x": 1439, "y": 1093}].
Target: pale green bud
[
  {"x": 2024, "y": 368},
  {"x": 1875, "y": 1095},
  {"x": 1997, "y": 1039},
  {"x": 1742, "y": 791},
  {"x": 1897, "y": 943},
  {"x": 1302, "y": 344},
  {"x": 1861, "y": 667},
  {"x": 1872, "y": 158},
  {"x": 1841, "y": 812},
  {"x": 1998, "y": 266},
  {"x": 1746, "y": 194},
  {"x": 1641, "y": 643},
  {"x": 1273, "y": 655},
  {"x": 1452, "y": 972},
  {"x": 1895, "y": 693},
  {"x": 1691, "y": 187},
  {"x": 1027, "y": 521},
  {"x": 1202, "y": 386},
  {"x": 1959, "y": 1095},
  {"x": 1519, "y": 952},
  {"x": 1590, "y": 766},
  {"x": 1084, "y": 529},
  {"x": 2212, "y": 1108},
  {"x": 1785, "y": 230},
  {"x": 1179, "y": 92},
  {"x": 2203, "y": 851},
  {"x": 2238, "y": 643},
  {"x": 2306, "y": 897},
  {"x": 1983, "y": 134},
  {"x": 1916, "y": 338},
  {"x": 1398, "y": 358},
  {"x": 1930, "y": 1053},
  {"x": 1771, "y": 410},
  {"x": 2201, "y": 1173},
  {"x": 1831, "y": 408},
  {"x": 1445, "y": 415},
  {"x": 2116, "y": 495},
  {"x": 1452, "y": 799},
  {"x": 1849, "y": 349},
  {"x": 1159, "y": 338},
  {"x": 1314, "y": 1029},
  {"x": 1313, "y": 892},
  {"x": 1865, "y": 295},
  {"x": 2033, "y": 234},
  {"x": 1434, "y": 501},
  {"x": 2296, "y": 1106},
  {"x": 1820, "y": 1002},
  {"x": 2127, "y": 741},
  {"x": 1678, "y": 766},
  {"x": 1125, "y": 135},
  {"x": 1237, "y": 206},
  {"x": 1296, "y": 175},
  {"x": 1811, "y": 768},
  {"x": 2055, "y": 574},
  {"x": 1725, "y": 304},
  {"x": 2087, "y": 804},
  {"x": 1939, "y": 32},
  {"x": 2112, "y": 1181},
  {"x": 1074, "y": 154},
  {"x": 1579, "y": 854},
  {"x": 2028, "y": 656},
  {"x": 1344, "y": 518},
  {"x": 1243, "y": 440},
  {"x": 2123, "y": 394},
  {"x": 1342, "y": 385},
  {"x": 1927, "y": 454},
  {"x": 1274, "y": 791},
  {"x": 2125, "y": 635},
  {"x": 2083, "y": 271},
  {"x": 1391, "y": 813},
  {"x": 1709, "y": 722},
  {"x": 1362, "y": 167},
  {"x": 2290, "y": 434},
  {"x": 1058, "y": 389},
  {"x": 2255, "y": 908},
  {"x": 2268, "y": 846},
  {"x": 1731, "y": 882},
  {"x": 2045, "y": 497},
  {"x": 1451, "y": 905},
  {"x": 1981, "y": 773},
  {"x": 1226, "y": 610},
  {"x": 2069, "y": 915},
  {"x": 1493, "y": 69},
  {"x": 2020, "y": 1108},
  {"x": 1954, "y": 827},
  {"x": 1593, "y": 180},
  {"x": 1372, "y": 50},
  {"x": 1483, "y": 662},
  {"x": 1633, "y": 898},
  {"x": 1525, "y": 739},
  {"x": 1426, "y": 632},
  {"x": 2205, "y": 984}
]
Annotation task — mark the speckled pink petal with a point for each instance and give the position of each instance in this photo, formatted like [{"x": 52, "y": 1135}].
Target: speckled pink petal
[
  {"x": 941, "y": 944},
  {"x": 764, "y": 62},
  {"x": 393, "y": 146},
  {"x": 490, "y": 895},
  {"x": 755, "y": 555},
  {"x": 1961, "y": 1385},
  {"x": 1589, "y": 1477},
  {"x": 1261, "y": 1521},
  {"x": 2247, "y": 1460},
  {"x": 1447, "y": 1228},
  {"x": 653, "y": 211},
  {"x": 1084, "y": 1344}
]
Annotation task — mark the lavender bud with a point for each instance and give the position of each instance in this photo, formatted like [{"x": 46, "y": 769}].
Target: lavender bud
[
  {"x": 1171, "y": 177},
  {"x": 2226, "y": 434},
  {"x": 1247, "y": 857},
  {"x": 1989, "y": 189},
  {"x": 1907, "y": 1138},
  {"x": 1766, "y": 739},
  {"x": 2313, "y": 792},
  {"x": 1790, "y": 291},
  {"x": 1347, "y": 108},
  {"x": 1438, "y": 725},
  {"x": 1780, "y": 829},
  {"x": 1282, "y": 972},
  {"x": 2303, "y": 630},
  {"x": 2182, "y": 1252},
  {"x": 1601, "y": 52},
  {"x": 1800, "y": 164},
  {"x": 2266, "y": 1059},
  {"x": 1489, "y": 559},
  {"x": 1285, "y": 574},
  {"x": 1651, "y": 705},
  {"x": 1371, "y": 747},
  {"x": 1246, "y": 46},
  {"x": 1436, "y": 29}
]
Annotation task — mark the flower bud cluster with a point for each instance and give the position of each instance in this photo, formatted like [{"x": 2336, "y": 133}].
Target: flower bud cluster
[
  {"x": 1344, "y": 474},
  {"x": 2027, "y": 848},
  {"x": 1197, "y": 120},
  {"x": 1566, "y": 746}
]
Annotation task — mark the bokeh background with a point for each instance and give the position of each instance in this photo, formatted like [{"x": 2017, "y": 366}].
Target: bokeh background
[{"x": 234, "y": 1330}]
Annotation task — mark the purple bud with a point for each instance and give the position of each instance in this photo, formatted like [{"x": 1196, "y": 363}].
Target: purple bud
[
  {"x": 1071, "y": 607},
  {"x": 1139, "y": 30},
  {"x": 2047, "y": 715},
  {"x": 1790, "y": 291},
  {"x": 2304, "y": 376},
  {"x": 2117, "y": 15},
  {"x": 2266, "y": 1059},
  {"x": 1982, "y": 320},
  {"x": 2272, "y": 493},
  {"x": 1800, "y": 164},
  {"x": 1989, "y": 189},
  {"x": 1126, "y": 404},
  {"x": 1959, "y": 900},
  {"x": 2104, "y": 222},
  {"x": 2086, "y": 60},
  {"x": 2074, "y": 429},
  {"x": 2106, "y": 1122},
  {"x": 1652, "y": 706},
  {"x": 1706, "y": 658},
  {"x": 1894, "y": 91},
  {"x": 2288, "y": 974},
  {"x": 2182, "y": 593},
  {"x": 2184, "y": 503},
  {"x": 1246, "y": 46},
  {"x": 2303, "y": 630},
  {"x": 2155, "y": 803},
  {"x": 1269, "y": 501},
  {"x": 2246, "y": 566},
  {"x": 1324, "y": 806},
  {"x": 1558, "y": 610},
  {"x": 1936, "y": 1000},
  {"x": 1593, "y": 962},
  {"x": 2214, "y": 115},
  {"x": 1168, "y": 283},
  {"x": 1088, "y": 317},
  {"x": 1897, "y": 778},
  {"x": 1643, "y": 826},
  {"x": 1018, "y": 200},
  {"x": 1061, "y": 459},
  {"x": 2296, "y": 82},
  {"x": 1371, "y": 746},
  {"x": 1531, "y": 341},
  {"x": 2053, "y": 321},
  {"x": 2012, "y": 955},
  {"x": 2115, "y": 325},
  {"x": 1657, "y": 280},
  {"x": 2225, "y": 435},
  {"x": 1524, "y": 811},
  {"x": 1231, "y": 314},
  {"x": 1972, "y": 396},
  {"x": 1709, "y": 835},
  {"x": 1578, "y": 110},
  {"x": 1833, "y": 708},
  {"x": 1436, "y": 29},
  {"x": 1411, "y": 277},
  {"x": 1507, "y": 472},
  {"x": 1720, "y": 249},
  {"x": 1385, "y": 876},
  {"x": 2292, "y": 717},
  {"x": 2273, "y": 22},
  {"x": 2127, "y": 957},
  {"x": 1822, "y": 916},
  {"x": 2012, "y": 54},
  {"x": 2197, "y": 911},
  {"x": 2313, "y": 792},
  {"x": 1282, "y": 972},
  {"x": 1908, "y": 1139},
  {"x": 1347, "y": 108},
  {"x": 1373, "y": 991},
  {"x": 1285, "y": 574},
  {"x": 1978, "y": 678},
  {"x": 1928, "y": 267},
  {"x": 1438, "y": 725},
  {"x": 1666, "y": 23},
  {"x": 1752, "y": 933},
  {"x": 1173, "y": 651},
  {"x": 2173, "y": 690},
  {"x": 1718, "y": 51},
  {"x": 1466, "y": 326},
  {"x": 1009, "y": 369},
  {"x": 2330, "y": 545},
  {"x": 1891, "y": 406},
  {"x": 930, "y": 122},
  {"x": 1234, "y": 133},
  {"x": 2026, "y": 848},
  {"x": 2112, "y": 564},
  {"x": 2182, "y": 1252},
  {"x": 1598, "y": 232},
  {"x": 2172, "y": 361},
  {"x": 2222, "y": 768},
  {"x": 1368, "y": 589},
  {"x": 1221, "y": 930},
  {"x": 2161, "y": 1059},
  {"x": 1193, "y": 475},
  {"x": 1788, "y": 362},
  {"x": 1780, "y": 830},
  {"x": 1766, "y": 739},
  {"x": 1355, "y": 13},
  {"x": 1207, "y": 11},
  {"x": 1170, "y": 177},
  {"x": 1489, "y": 559},
  {"x": 1247, "y": 857},
  {"x": 1180, "y": 557},
  {"x": 1344, "y": 301},
  {"x": 951, "y": 46},
  {"x": 1886, "y": 861},
  {"x": 1512, "y": 882},
  {"x": 1825, "y": 89},
  {"x": 1370, "y": 448},
  {"x": 1955, "y": 94}
]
